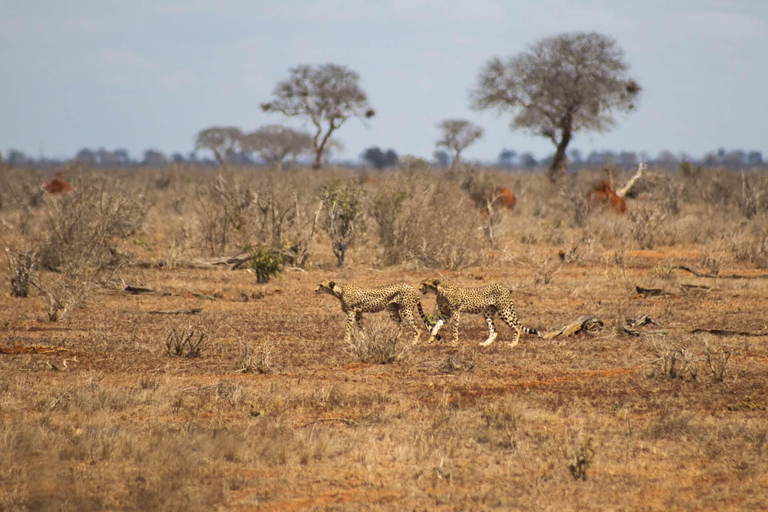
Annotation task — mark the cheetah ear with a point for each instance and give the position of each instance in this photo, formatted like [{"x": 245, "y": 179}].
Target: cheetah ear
[
  {"x": 436, "y": 282},
  {"x": 331, "y": 285}
]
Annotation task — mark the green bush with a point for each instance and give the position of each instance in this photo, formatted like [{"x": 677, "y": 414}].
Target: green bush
[{"x": 266, "y": 263}]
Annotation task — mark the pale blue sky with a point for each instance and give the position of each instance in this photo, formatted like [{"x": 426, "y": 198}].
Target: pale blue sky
[{"x": 141, "y": 74}]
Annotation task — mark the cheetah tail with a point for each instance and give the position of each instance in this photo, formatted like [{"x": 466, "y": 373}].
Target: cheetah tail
[{"x": 529, "y": 331}]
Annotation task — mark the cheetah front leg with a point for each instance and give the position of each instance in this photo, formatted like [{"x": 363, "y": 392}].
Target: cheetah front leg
[
  {"x": 456, "y": 317},
  {"x": 489, "y": 313},
  {"x": 352, "y": 317}
]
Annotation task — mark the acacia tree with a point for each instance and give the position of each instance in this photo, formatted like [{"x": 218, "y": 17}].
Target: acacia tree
[
  {"x": 457, "y": 135},
  {"x": 224, "y": 141},
  {"x": 274, "y": 143},
  {"x": 562, "y": 84},
  {"x": 327, "y": 95}
]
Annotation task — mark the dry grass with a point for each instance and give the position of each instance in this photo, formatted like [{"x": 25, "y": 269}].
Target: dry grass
[{"x": 277, "y": 414}]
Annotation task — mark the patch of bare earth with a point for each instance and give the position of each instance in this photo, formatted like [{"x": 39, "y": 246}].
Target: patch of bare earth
[{"x": 96, "y": 414}]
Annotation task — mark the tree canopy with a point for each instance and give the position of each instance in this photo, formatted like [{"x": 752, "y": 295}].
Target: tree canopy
[
  {"x": 328, "y": 95},
  {"x": 457, "y": 135},
  {"x": 274, "y": 143},
  {"x": 562, "y": 84},
  {"x": 224, "y": 141}
]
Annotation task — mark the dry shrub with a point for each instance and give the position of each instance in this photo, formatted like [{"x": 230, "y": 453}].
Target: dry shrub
[
  {"x": 504, "y": 414},
  {"x": 751, "y": 246},
  {"x": 717, "y": 358},
  {"x": 288, "y": 214},
  {"x": 664, "y": 272},
  {"x": 82, "y": 227},
  {"x": 674, "y": 359},
  {"x": 576, "y": 204},
  {"x": 65, "y": 294},
  {"x": 20, "y": 189},
  {"x": 226, "y": 207},
  {"x": 78, "y": 236},
  {"x": 426, "y": 217},
  {"x": 256, "y": 358},
  {"x": 753, "y": 200},
  {"x": 344, "y": 215},
  {"x": 491, "y": 199},
  {"x": 581, "y": 459},
  {"x": 720, "y": 190},
  {"x": 21, "y": 270},
  {"x": 710, "y": 259},
  {"x": 188, "y": 337},
  {"x": 645, "y": 225},
  {"x": 669, "y": 425},
  {"x": 185, "y": 341},
  {"x": 379, "y": 342},
  {"x": 543, "y": 268},
  {"x": 237, "y": 210}
]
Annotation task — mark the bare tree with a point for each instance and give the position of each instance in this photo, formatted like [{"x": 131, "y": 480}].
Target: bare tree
[
  {"x": 457, "y": 135},
  {"x": 561, "y": 85},
  {"x": 327, "y": 95},
  {"x": 224, "y": 141},
  {"x": 344, "y": 215},
  {"x": 274, "y": 143}
]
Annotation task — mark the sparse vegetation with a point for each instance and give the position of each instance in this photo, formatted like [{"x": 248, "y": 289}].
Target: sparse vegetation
[
  {"x": 184, "y": 342},
  {"x": 265, "y": 407},
  {"x": 717, "y": 360},
  {"x": 21, "y": 271}
]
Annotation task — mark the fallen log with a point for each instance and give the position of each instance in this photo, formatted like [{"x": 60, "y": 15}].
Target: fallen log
[
  {"x": 695, "y": 287},
  {"x": 192, "y": 311},
  {"x": 136, "y": 290},
  {"x": 650, "y": 292},
  {"x": 725, "y": 332},
  {"x": 583, "y": 324},
  {"x": 719, "y": 276}
]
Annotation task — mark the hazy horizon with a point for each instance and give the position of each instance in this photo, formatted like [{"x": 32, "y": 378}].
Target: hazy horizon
[{"x": 152, "y": 74}]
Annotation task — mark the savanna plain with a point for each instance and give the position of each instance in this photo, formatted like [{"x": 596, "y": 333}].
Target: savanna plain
[{"x": 171, "y": 354}]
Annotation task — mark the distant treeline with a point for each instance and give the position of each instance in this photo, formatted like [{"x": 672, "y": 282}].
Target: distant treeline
[{"x": 376, "y": 157}]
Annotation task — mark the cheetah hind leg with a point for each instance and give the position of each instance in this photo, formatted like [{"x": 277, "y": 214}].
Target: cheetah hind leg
[
  {"x": 516, "y": 339},
  {"x": 512, "y": 321},
  {"x": 411, "y": 321},
  {"x": 492, "y": 332}
]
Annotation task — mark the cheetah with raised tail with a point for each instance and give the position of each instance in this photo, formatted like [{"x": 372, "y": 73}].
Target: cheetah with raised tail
[
  {"x": 397, "y": 298},
  {"x": 452, "y": 301}
]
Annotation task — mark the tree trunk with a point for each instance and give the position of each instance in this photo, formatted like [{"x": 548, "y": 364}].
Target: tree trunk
[
  {"x": 339, "y": 251},
  {"x": 559, "y": 164},
  {"x": 320, "y": 148}
]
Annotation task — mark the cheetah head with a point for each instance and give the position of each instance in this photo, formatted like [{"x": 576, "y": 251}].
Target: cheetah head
[
  {"x": 428, "y": 285},
  {"x": 328, "y": 287}
]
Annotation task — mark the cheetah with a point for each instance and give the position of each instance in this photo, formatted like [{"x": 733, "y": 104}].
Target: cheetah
[
  {"x": 398, "y": 299},
  {"x": 452, "y": 301}
]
